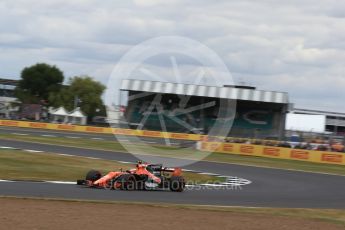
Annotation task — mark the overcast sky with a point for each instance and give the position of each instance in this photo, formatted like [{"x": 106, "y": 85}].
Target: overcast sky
[{"x": 295, "y": 46}]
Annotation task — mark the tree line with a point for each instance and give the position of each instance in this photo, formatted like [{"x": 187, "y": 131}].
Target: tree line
[{"x": 43, "y": 84}]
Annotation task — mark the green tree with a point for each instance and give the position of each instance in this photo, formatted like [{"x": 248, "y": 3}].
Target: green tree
[
  {"x": 38, "y": 82},
  {"x": 83, "y": 92}
]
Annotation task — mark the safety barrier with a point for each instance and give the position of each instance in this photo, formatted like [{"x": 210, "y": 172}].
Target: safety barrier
[
  {"x": 275, "y": 152},
  {"x": 101, "y": 130}
]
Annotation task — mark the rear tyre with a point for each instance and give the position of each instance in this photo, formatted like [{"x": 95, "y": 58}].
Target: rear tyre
[
  {"x": 93, "y": 175},
  {"x": 177, "y": 184}
]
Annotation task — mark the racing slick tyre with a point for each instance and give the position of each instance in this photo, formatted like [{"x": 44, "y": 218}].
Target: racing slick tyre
[
  {"x": 93, "y": 175},
  {"x": 177, "y": 184},
  {"x": 128, "y": 182}
]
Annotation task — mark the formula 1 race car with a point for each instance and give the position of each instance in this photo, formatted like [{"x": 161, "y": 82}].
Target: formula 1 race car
[{"x": 143, "y": 177}]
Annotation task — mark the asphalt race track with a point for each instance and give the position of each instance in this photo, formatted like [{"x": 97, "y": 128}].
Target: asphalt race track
[{"x": 269, "y": 187}]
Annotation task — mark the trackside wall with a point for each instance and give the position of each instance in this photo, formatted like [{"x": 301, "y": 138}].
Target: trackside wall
[
  {"x": 275, "y": 152},
  {"x": 101, "y": 130}
]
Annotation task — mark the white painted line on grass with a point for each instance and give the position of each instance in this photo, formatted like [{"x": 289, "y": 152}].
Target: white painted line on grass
[
  {"x": 73, "y": 137},
  {"x": 48, "y": 135},
  {"x": 21, "y": 134}
]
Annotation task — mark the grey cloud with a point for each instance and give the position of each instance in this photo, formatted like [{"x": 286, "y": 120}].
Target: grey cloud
[{"x": 295, "y": 46}]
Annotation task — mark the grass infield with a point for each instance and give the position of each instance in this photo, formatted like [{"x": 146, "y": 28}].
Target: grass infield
[{"x": 22, "y": 165}]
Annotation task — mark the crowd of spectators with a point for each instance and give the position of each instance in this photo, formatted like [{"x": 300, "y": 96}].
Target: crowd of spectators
[{"x": 332, "y": 146}]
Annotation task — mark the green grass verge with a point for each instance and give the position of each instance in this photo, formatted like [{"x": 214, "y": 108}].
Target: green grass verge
[
  {"x": 335, "y": 216},
  {"x": 187, "y": 153},
  {"x": 16, "y": 164}
]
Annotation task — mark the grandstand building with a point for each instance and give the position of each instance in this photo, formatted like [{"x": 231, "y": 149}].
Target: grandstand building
[
  {"x": 175, "y": 107},
  {"x": 334, "y": 121},
  {"x": 7, "y": 97},
  {"x": 11, "y": 108}
]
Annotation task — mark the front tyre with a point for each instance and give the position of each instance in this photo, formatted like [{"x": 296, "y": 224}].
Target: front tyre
[{"x": 93, "y": 175}]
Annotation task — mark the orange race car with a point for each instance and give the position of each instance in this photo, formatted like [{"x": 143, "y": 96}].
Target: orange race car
[{"x": 143, "y": 177}]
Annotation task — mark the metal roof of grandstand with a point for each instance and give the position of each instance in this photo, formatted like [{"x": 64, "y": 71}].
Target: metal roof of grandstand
[
  {"x": 205, "y": 91},
  {"x": 8, "y": 82},
  {"x": 318, "y": 112}
]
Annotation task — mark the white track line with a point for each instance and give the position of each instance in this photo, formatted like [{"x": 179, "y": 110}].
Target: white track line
[
  {"x": 21, "y": 134},
  {"x": 94, "y": 158},
  {"x": 32, "y": 151},
  {"x": 60, "y": 182},
  {"x": 188, "y": 170},
  {"x": 228, "y": 184},
  {"x": 126, "y": 162},
  {"x": 72, "y": 137},
  {"x": 52, "y": 182},
  {"x": 209, "y": 174},
  {"x": 48, "y": 135},
  {"x": 5, "y": 147},
  {"x": 6, "y": 181},
  {"x": 97, "y": 138},
  {"x": 66, "y": 155}
]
